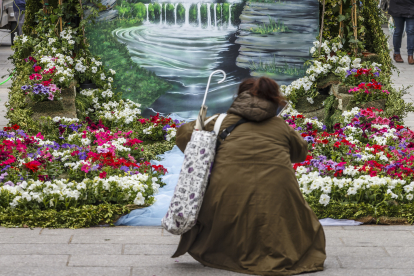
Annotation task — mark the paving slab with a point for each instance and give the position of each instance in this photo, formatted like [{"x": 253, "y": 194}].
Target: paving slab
[
  {"x": 60, "y": 249},
  {"x": 120, "y": 230},
  {"x": 124, "y": 239},
  {"x": 33, "y": 260},
  {"x": 66, "y": 271},
  {"x": 26, "y": 239},
  {"x": 130, "y": 260},
  {"x": 149, "y": 249}
]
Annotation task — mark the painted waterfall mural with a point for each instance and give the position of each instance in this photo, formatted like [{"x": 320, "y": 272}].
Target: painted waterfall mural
[{"x": 163, "y": 52}]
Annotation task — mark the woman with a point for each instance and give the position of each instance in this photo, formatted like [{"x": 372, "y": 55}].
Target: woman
[
  {"x": 254, "y": 219},
  {"x": 402, "y": 11}
]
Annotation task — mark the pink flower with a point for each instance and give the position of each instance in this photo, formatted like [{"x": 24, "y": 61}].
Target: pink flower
[
  {"x": 50, "y": 97},
  {"x": 40, "y": 136},
  {"x": 85, "y": 168}
]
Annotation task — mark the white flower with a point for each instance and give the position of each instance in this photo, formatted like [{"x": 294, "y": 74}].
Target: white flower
[
  {"x": 409, "y": 197},
  {"x": 112, "y": 71},
  {"x": 310, "y": 100},
  {"x": 103, "y": 76},
  {"x": 110, "y": 79},
  {"x": 94, "y": 70},
  {"x": 324, "y": 199}
]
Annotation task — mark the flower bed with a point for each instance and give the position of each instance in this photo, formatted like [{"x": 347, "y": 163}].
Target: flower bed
[
  {"x": 367, "y": 161},
  {"x": 78, "y": 164}
]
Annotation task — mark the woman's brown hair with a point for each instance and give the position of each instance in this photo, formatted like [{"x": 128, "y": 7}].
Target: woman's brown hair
[{"x": 264, "y": 88}]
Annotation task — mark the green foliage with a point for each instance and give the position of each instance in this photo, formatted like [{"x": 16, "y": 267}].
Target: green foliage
[
  {"x": 396, "y": 105},
  {"x": 272, "y": 27},
  {"x": 32, "y": 7},
  {"x": 350, "y": 210},
  {"x": 151, "y": 11},
  {"x": 139, "y": 11},
  {"x": 226, "y": 7},
  {"x": 269, "y": 1},
  {"x": 151, "y": 150},
  {"x": 180, "y": 13},
  {"x": 375, "y": 39},
  {"x": 193, "y": 13},
  {"x": 137, "y": 84},
  {"x": 330, "y": 106},
  {"x": 74, "y": 217},
  {"x": 370, "y": 36}
]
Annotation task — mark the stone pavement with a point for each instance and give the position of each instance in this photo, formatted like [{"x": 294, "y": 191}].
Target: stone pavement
[
  {"x": 146, "y": 251},
  {"x": 405, "y": 77}
]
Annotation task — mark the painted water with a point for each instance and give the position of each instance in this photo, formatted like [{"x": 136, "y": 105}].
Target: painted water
[{"x": 186, "y": 54}]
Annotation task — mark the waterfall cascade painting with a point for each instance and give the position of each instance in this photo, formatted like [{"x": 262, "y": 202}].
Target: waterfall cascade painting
[{"x": 163, "y": 52}]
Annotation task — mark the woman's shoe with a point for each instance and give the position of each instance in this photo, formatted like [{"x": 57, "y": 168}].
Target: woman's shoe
[
  {"x": 410, "y": 60},
  {"x": 398, "y": 58}
]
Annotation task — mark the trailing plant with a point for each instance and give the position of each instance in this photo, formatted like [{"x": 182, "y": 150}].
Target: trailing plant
[{"x": 330, "y": 105}]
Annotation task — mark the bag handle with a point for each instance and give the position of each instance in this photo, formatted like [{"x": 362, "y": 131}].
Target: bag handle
[
  {"x": 217, "y": 125},
  {"x": 210, "y": 119}
]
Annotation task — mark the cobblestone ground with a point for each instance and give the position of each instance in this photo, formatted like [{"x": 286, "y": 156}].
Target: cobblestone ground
[{"x": 146, "y": 251}]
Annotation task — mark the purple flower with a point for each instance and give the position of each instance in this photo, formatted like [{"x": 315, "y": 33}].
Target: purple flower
[
  {"x": 124, "y": 168},
  {"x": 354, "y": 70},
  {"x": 82, "y": 155},
  {"x": 25, "y": 87},
  {"x": 166, "y": 127},
  {"x": 376, "y": 74},
  {"x": 348, "y": 73},
  {"x": 94, "y": 168},
  {"x": 309, "y": 139},
  {"x": 9, "y": 183}
]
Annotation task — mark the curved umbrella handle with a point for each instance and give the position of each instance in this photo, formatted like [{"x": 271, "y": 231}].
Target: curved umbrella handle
[{"x": 209, "y": 80}]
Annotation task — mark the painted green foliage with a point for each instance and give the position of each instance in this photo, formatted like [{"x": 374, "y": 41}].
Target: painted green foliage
[
  {"x": 136, "y": 83},
  {"x": 138, "y": 11}
]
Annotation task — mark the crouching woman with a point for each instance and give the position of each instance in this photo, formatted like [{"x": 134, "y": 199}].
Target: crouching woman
[{"x": 254, "y": 219}]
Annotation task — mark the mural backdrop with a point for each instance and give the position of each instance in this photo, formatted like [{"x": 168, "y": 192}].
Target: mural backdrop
[{"x": 163, "y": 52}]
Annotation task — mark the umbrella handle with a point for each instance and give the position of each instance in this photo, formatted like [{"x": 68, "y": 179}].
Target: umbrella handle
[{"x": 209, "y": 80}]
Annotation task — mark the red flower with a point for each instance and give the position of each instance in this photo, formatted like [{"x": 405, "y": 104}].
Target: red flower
[
  {"x": 37, "y": 68},
  {"x": 46, "y": 83},
  {"x": 102, "y": 175},
  {"x": 15, "y": 127},
  {"x": 32, "y": 165}
]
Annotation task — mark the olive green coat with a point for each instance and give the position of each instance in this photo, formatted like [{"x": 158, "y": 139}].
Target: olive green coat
[{"x": 254, "y": 218}]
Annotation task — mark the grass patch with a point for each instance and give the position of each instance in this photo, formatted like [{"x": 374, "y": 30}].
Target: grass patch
[
  {"x": 273, "y": 68},
  {"x": 271, "y": 27}
]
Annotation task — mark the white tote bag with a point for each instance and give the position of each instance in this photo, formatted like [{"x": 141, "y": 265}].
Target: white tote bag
[{"x": 192, "y": 183}]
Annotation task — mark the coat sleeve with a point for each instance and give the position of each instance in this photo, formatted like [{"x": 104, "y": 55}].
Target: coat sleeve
[
  {"x": 298, "y": 146},
  {"x": 183, "y": 136}
]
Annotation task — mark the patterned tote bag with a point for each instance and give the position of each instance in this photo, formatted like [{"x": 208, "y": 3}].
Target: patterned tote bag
[{"x": 192, "y": 182}]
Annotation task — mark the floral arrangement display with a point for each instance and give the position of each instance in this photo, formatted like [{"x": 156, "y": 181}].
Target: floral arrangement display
[
  {"x": 366, "y": 92},
  {"x": 93, "y": 166},
  {"x": 39, "y": 87},
  {"x": 366, "y": 160}
]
